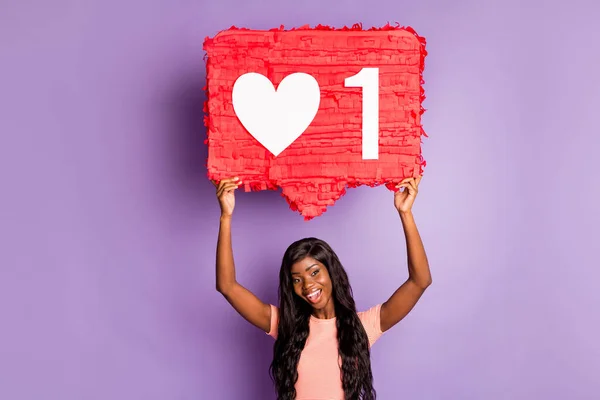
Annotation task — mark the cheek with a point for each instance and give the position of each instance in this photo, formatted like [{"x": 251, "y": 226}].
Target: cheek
[
  {"x": 297, "y": 289},
  {"x": 325, "y": 281}
]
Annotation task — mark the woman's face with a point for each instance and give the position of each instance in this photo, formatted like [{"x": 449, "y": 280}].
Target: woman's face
[{"x": 312, "y": 283}]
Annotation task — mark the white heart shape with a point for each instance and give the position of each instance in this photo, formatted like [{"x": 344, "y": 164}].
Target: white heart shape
[{"x": 276, "y": 118}]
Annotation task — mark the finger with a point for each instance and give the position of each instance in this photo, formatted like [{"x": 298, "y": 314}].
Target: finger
[
  {"x": 214, "y": 182},
  {"x": 233, "y": 185},
  {"x": 227, "y": 180},
  {"x": 409, "y": 185},
  {"x": 413, "y": 184},
  {"x": 402, "y": 185},
  {"x": 419, "y": 179},
  {"x": 228, "y": 187}
]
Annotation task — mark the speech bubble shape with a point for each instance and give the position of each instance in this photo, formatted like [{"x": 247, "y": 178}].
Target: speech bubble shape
[{"x": 367, "y": 130}]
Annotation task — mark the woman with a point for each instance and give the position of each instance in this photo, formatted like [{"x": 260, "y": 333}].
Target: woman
[{"x": 322, "y": 347}]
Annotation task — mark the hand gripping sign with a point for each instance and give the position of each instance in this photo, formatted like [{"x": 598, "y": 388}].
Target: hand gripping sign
[{"x": 314, "y": 111}]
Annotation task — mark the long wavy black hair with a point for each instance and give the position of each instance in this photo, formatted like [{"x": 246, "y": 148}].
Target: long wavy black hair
[{"x": 294, "y": 316}]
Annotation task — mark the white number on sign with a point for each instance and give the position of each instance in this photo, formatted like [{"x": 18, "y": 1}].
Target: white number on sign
[{"x": 368, "y": 80}]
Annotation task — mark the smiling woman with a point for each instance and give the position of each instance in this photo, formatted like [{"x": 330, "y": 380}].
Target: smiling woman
[
  {"x": 310, "y": 279},
  {"x": 322, "y": 347},
  {"x": 317, "y": 328}
]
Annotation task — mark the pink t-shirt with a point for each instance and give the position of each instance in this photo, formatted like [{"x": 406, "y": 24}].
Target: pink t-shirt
[{"x": 319, "y": 366}]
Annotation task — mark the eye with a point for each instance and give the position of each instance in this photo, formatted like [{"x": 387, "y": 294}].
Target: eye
[
  {"x": 295, "y": 280},
  {"x": 316, "y": 271}
]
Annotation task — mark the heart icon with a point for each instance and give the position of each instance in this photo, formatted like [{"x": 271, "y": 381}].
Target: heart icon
[{"x": 276, "y": 118}]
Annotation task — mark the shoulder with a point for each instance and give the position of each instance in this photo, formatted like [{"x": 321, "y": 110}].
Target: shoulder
[
  {"x": 371, "y": 321},
  {"x": 274, "y": 322}
]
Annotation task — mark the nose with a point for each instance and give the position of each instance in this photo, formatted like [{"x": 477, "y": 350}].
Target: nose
[{"x": 307, "y": 286}]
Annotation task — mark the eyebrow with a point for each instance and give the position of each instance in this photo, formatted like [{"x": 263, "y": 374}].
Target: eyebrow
[{"x": 307, "y": 268}]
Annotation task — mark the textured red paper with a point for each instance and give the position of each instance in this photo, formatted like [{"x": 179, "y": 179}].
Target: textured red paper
[{"x": 315, "y": 170}]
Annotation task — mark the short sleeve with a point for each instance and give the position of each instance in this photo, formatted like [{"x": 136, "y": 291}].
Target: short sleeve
[
  {"x": 274, "y": 322},
  {"x": 371, "y": 320}
]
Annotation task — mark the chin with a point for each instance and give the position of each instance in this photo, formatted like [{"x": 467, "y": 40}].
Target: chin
[{"x": 320, "y": 305}]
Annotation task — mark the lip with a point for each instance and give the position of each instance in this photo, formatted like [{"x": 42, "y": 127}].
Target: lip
[{"x": 316, "y": 299}]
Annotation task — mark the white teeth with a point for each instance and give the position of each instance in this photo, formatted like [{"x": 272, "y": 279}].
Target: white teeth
[{"x": 314, "y": 294}]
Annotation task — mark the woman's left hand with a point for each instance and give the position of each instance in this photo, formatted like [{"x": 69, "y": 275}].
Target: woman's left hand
[{"x": 403, "y": 200}]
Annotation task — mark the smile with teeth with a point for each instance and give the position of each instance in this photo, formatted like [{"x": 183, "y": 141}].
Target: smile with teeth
[{"x": 314, "y": 296}]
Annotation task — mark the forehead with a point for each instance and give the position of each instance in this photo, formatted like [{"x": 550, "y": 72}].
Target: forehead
[{"x": 301, "y": 266}]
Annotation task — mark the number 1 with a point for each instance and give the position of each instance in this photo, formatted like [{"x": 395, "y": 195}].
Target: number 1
[{"x": 368, "y": 80}]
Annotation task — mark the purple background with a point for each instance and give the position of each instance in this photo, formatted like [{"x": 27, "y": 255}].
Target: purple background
[{"x": 108, "y": 225}]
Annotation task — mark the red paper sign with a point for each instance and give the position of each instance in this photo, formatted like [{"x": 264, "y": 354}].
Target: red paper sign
[{"x": 354, "y": 69}]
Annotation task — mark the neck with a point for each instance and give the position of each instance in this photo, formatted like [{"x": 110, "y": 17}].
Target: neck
[{"x": 326, "y": 312}]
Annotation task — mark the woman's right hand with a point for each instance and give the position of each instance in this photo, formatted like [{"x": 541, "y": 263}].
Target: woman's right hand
[{"x": 226, "y": 196}]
